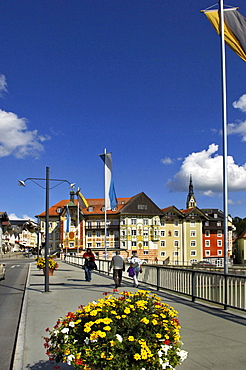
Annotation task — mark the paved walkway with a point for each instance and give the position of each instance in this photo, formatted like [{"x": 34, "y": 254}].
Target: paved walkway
[{"x": 214, "y": 338}]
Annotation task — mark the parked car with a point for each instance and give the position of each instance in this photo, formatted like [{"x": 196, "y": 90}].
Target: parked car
[
  {"x": 2, "y": 271},
  {"x": 203, "y": 263}
]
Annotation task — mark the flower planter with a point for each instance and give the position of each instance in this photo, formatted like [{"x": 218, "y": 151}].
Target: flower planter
[{"x": 51, "y": 271}]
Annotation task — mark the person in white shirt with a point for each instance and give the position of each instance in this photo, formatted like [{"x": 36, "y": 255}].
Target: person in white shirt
[
  {"x": 118, "y": 265},
  {"x": 137, "y": 265}
]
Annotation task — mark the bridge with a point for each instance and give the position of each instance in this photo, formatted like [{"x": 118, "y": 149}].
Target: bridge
[{"x": 215, "y": 338}]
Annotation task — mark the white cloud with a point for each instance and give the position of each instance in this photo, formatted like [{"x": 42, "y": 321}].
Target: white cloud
[
  {"x": 13, "y": 216},
  {"x": 206, "y": 168},
  {"x": 241, "y": 103},
  {"x": 16, "y": 139},
  {"x": 166, "y": 160},
  {"x": 3, "y": 84},
  {"x": 237, "y": 129}
]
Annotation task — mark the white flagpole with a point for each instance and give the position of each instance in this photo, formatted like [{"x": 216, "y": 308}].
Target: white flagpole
[
  {"x": 78, "y": 230},
  {"x": 224, "y": 112},
  {"x": 105, "y": 208}
]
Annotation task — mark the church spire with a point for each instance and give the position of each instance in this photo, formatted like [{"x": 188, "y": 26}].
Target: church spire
[{"x": 191, "y": 200}]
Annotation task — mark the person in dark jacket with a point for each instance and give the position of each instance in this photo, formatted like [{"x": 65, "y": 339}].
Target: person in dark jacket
[{"x": 89, "y": 263}]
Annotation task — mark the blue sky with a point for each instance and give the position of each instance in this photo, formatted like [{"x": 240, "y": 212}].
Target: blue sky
[{"x": 140, "y": 78}]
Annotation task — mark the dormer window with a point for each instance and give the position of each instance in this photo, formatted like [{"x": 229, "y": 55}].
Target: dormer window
[{"x": 90, "y": 209}]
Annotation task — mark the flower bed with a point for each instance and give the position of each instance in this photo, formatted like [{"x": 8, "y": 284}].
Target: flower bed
[
  {"x": 41, "y": 263},
  {"x": 131, "y": 331}
]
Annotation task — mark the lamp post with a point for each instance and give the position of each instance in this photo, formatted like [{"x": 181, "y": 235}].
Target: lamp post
[{"x": 47, "y": 189}]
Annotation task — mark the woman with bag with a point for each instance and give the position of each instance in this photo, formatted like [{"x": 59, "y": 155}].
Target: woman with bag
[
  {"x": 89, "y": 263},
  {"x": 137, "y": 265}
]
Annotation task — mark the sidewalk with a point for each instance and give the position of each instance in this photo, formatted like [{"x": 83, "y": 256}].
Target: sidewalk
[{"x": 214, "y": 338}]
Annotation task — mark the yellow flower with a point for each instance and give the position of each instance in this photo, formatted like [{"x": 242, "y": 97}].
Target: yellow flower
[
  {"x": 127, "y": 310},
  {"x": 107, "y": 328},
  {"x": 144, "y": 320},
  {"x": 123, "y": 316},
  {"x": 67, "y": 352},
  {"x": 131, "y": 338},
  {"x": 87, "y": 329},
  {"x": 103, "y": 355},
  {"x": 158, "y": 335},
  {"x": 94, "y": 313},
  {"x": 101, "y": 334},
  {"x": 154, "y": 322},
  {"x": 137, "y": 356}
]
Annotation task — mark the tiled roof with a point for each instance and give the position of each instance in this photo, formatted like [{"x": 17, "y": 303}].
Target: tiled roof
[{"x": 97, "y": 205}]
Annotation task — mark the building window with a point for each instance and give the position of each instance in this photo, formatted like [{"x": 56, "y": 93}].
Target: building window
[
  {"x": 219, "y": 243},
  {"x": 134, "y": 232},
  {"x": 193, "y": 243},
  {"x": 98, "y": 245},
  {"x": 145, "y": 221},
  {"x": 176, "y": 223},
  {"x": 176, "y": 253},
  {"x": 89, "y": 245},
  {"x": 98, "y": 224},
  {"x": 193, "y": 253},
  {"x": 207, "y": 253},
  {"x": 50, "y": 235},
  {"x": 89, "y": 234},
  {"x": 134, "y": 221},
  {"x": 207, "y": 243},
  {"x": 207, "y": 223},
  {"x": 134, "y": 244},
  {"x": 145, "y": 252},
  {"x": 123, "y": 222},
  {"x": 123, "y": 244},
  {"x": 145, "y": 233},
  {"x": 98, "y": 234},
  {"x": 219, "y": 253},
  {"x": 57, "y": 235},
  {"x": 207, "y": 233},
  {"x": 176, "y": 233},
  {"x": 219, "y": 223},
  {"x": 192, "y": 223},
  {"x": 89, "y": 224},
  {"x": 219, "y": 233},
  {"x": 146, "y": 244},
  {"x": 142, "y": 206},
  {"x": 193, "y": 233},
  {"x": 163, "y": 233},
  {"x": 50, "y": 225},
  {"x": 163, "y": 243},
  {"x": 123, "y": 232},
  {"x": 163, "y": 223},
  {"x": 71, "y": 245},
  {"x": 90, "y": 209},
  {"x": 176, "y": 243},
  {"x": 163, "y": 254}
]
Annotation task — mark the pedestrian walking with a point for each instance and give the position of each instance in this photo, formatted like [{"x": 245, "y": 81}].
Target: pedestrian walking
[
  {"x": 118, "y": 265},
  {"x": 89, "y": 263},
  {"x": 137, "y": 265}
]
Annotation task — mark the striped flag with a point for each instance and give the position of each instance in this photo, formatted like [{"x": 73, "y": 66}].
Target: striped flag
[
  {"x": 81, "y": 199},
  {"x": 68, "y": 221},
  {"x": 234, "y": 26},
  {"x": 110, "y": 194}
]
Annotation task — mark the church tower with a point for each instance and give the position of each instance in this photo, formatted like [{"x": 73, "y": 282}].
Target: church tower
[{"x": 191, "y": 200}]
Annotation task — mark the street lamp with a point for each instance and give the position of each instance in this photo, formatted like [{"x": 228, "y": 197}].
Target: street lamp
[{"x": 47, "y": 188}]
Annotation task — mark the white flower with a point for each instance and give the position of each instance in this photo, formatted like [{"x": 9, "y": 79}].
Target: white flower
[
  {"x": 119, "y": 337},
  {"x": 165, "y": 348},
  {"x": 65, "y": 330},
  {"x": 182, "y": 354},
  {"x": 160, "y": 353},
  {"x": 71, "y": 324},
  {"x": 70, "y": 359},
  {"x": 87, "y": 340},
  {"x": 65, "y": 338},
  {"x": 56, "y": 332}
]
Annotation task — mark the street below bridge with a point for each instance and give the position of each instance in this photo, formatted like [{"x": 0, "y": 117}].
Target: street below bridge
[{"x": 11, "y": 296}]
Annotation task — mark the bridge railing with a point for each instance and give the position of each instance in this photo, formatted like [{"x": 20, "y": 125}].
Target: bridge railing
[{"x": 228, "y": 290}]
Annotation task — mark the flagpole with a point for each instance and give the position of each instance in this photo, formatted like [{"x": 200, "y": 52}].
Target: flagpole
[
  {"x": 105, "y": 209},
  {"x": 224, "y": 113}
]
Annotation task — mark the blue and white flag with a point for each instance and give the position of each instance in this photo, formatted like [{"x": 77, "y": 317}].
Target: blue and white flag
[
  {"x": 110, "y": 195},
  {"x": 68, "y": 221}
]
